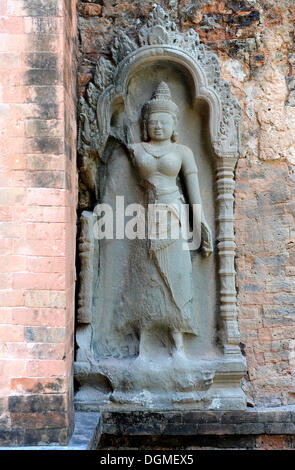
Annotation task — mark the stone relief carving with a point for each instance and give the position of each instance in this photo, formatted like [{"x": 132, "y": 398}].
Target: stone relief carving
[
  {"x": 154, "y": 304},
  {"x": 158, "y": 160},
  {"x": 86, "y": 253},
  {"x": 158, "y": 31}
]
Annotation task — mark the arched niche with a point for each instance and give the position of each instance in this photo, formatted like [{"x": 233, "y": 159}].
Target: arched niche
[{"x": 107, "y": 365}]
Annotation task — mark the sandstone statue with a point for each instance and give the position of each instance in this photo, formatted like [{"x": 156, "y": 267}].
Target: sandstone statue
[
  {"x": 159, "y": 160},
  {"x": 157, "y": 322}
]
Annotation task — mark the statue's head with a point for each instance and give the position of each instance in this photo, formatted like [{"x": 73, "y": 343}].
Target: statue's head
[{"x": 159, "y": 115}]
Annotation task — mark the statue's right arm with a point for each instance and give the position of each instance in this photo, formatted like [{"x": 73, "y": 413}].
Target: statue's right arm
[{"x": 133, "y": 150}]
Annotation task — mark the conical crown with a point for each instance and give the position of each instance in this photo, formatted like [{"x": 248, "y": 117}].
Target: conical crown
[
  {"x": 161, "y": 101},
  {"x": 162, "y": 92}
]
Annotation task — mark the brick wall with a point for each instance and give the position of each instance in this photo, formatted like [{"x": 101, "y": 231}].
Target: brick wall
[
  {"x": 254, "y": 41},
  {"x": 37, "y": 214}
]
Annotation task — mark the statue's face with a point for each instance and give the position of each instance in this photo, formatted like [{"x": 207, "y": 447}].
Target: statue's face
[{"x": 160, "y": 126}]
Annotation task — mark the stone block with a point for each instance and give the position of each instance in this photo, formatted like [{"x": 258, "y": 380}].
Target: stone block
[
  {"x": 46, "y": 179},
  {"x": 43, "y": 76},
  {"x": 46, "y": 436},
  {"x": 35, "y": 421},
  {"x": 11, "y": 437},
  {"x": 46, "y": 368},
  {"x": 35, "y": 403},
  {"x": 42, "y": 334},
  {"x": 91, "y": 10},
  {"x": 31, "y": 385}
]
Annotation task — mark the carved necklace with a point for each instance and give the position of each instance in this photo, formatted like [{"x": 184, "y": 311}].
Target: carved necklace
[{"x": 157, "y": 152}]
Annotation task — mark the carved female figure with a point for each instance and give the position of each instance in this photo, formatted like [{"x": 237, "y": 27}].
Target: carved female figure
[{"x": 159, "y": 160}]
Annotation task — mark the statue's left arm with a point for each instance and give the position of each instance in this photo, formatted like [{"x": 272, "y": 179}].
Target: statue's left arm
[{"x": 190, "y": 173}]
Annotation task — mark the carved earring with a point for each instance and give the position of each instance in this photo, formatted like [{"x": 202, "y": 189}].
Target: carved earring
[
  {"x": 144, "y": 131},
  {"x": 174, "y": 136}
]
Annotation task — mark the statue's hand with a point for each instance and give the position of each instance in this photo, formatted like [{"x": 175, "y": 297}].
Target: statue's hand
[{"x": 206, "y": 245}]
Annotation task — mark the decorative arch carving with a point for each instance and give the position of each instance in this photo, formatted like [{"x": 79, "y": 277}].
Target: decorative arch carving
[{"x": 159, "y": 40}]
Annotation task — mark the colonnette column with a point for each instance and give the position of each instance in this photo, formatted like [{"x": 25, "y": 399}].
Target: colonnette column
[{"x": 226, "y": 248}]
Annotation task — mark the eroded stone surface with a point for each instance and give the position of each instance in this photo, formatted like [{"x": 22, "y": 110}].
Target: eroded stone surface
[{"x": 151, "y": 322}]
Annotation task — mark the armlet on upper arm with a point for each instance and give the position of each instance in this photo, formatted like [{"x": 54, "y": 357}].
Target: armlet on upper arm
[{"x": 190, "y": 171}]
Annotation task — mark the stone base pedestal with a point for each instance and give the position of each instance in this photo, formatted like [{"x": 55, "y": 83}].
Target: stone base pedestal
[{"x": 175, "y": 384}]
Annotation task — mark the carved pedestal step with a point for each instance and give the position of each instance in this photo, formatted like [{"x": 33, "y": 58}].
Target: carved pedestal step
[{"x": 176, "y": 383}]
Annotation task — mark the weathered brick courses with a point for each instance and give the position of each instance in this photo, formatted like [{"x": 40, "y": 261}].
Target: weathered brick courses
[{"x": 37, "y": 45}]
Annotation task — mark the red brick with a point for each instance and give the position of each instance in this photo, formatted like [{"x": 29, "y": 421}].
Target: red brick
[
  {"x": 42, "y": 127},
  {"x": 54, "y": 281},
  {"x": 31, "y": 110},
  {"x": 14, "y": 25},
  {"x": 38, "y": 385},
  {"x": 41, "y": 144},
  {"x": 45, "y": 25},
  {"x": 11, "y": 333},
  {"x": 12, "y": 196},
  {"x": 44, "y": 94},
  {"x": 15, "y": 128},
  {"x": 274, "y": 443},
  {"x": 12, "y": 230},
  {"x": 35, "y": 9},
  {"x": 12, "y": 368},
  {"x": 15, "y": 179},
  {"x": 91, "y": 10},
  {"x": 45, "y": 368},
  {"x": 46, "y": 264},
  {"x": 11, "y": 298},
  {"x": 46, "y": 197},
  {"x": 8, "y": 61},
  {"x": 49, "y": 419},
  {"x": 5, "y": 213},
  {"x": 83, "y": 80},
  {"x": 44, "y": 334},
  {"x": 45, "y": 299},
  {"x": 5, "y": 249},
  {"x": 14, "y": 94},
  {"x": 5, "y": 385},
  {"x": 45, "y": 231},
  {"x": 5, "y": 315},
  {"x": 51, "y": 351},
  {"x": 45, "y": 162},
  {"x": 39, "y": 247},
  {"x": 13, "y": 162},
  {"x": 46, "y": 214},
  {"x": 6, "y": 281},
  {"x": 16, "y": 8},
  {"x": 3, "y": 7},
  {"x": 13, "y": 350},
  {"x": 38, "y": 316},
  {"x": 12, "y": 264},
  {"x": 3, "y": 404},
  {"x": 13, "y": 42}
]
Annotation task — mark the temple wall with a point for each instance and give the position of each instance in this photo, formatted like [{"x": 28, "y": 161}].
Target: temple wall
[{"x": 254, "y": 41}]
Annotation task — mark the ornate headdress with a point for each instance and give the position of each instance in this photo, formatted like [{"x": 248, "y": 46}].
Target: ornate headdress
[{"x": 161, "y": 101}]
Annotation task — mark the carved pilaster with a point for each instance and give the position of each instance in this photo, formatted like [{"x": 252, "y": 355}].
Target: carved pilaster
[
  {"x": 86, "y": 250},
  {"x": 226, "y": 249}
]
